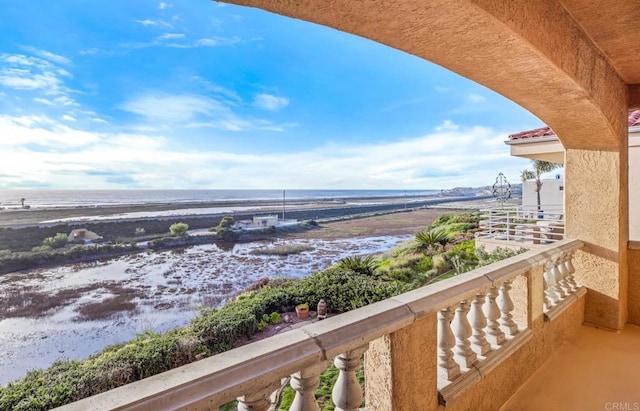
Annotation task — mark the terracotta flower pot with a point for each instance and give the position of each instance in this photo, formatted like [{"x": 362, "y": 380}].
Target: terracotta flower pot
[{"x": 302, "y": 311}]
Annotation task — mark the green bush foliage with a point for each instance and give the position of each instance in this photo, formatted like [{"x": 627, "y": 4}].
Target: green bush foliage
[
  {"x": 57, "y": 241},
  {"x": 359, "y": 264},
  {"x": 179, "y": 229}
]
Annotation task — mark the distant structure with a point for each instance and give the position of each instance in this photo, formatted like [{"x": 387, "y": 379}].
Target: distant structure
[
  {"x": 501, "y": 189},
  {"x": 82, "y": 235},
  {"x": 265, "y": 220}
]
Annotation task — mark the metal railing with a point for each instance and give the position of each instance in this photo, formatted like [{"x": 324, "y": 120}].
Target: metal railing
[
  {"x": 478, "y": 326},
  {"x": 522, "y": 224}
]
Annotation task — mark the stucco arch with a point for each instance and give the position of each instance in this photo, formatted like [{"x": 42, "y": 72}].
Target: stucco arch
[{"x": 532, "y": 52}]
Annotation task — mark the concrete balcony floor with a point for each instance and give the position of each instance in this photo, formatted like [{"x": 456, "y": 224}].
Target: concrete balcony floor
[{"x": 594, "y": 370}]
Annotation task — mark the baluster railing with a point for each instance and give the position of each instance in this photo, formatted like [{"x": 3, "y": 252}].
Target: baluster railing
[
  {"x": 557, "y": 287},
  {"x": 568, "y": 264},
  {"x": 448, "y": 368},
  {"x": 494, "y": 334},
  {"x": 506, "y": 307},
  {"x": 463, "y": 331},
  {"x": 550, "y": 294},
  {"x": 304, "y": 384},
  {"x": 259, "y": 400},
  {"x": 347, "y": 393},
  {"x": 478, "y": 324}
]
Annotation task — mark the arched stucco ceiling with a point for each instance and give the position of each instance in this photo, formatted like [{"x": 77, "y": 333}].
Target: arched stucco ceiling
[{"x": 532, "y": 52}]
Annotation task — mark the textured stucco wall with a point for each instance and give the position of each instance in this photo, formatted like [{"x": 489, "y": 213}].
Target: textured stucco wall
[
  {"x": 400, "y": 368},
  {"x": 597, "y": 213}
]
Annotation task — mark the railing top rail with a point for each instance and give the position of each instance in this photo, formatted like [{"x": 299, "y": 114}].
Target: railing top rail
[{"x": 221, "y": 378}]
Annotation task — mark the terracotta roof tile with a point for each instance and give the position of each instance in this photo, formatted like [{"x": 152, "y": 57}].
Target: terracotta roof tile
[{"x": 634, "y": 120}]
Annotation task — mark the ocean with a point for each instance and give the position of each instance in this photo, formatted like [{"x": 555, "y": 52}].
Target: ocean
[{"x": 88, "y": 198}]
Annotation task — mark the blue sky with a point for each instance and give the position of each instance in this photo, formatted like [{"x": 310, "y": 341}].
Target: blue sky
[{"x": 197, "y": 94}]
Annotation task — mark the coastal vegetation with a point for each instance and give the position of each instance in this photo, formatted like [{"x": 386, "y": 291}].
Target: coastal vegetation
[
  {"x": 179, "y": 229},
  {"x": 352, "y": 283}
]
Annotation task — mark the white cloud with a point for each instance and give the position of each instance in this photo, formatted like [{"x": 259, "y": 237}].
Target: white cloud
[
  {"x": 24, "y": 73},
  {"x": 170, "y": 36},
  {"x": 67, "y": 117},
  {"x": 78, "y": 158},
  {"x": 149, "y": 22},
  {"x": 172, "y": 108},
  {"x": 43, "y": 101},
  {"x": 270, "y": 102},
  {"x": 163, "y": 5},
  {"x": 473, "y": 98},
  {"x": 47, "y": 55}
]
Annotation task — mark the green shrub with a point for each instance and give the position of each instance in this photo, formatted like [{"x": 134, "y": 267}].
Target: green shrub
[
  {"x": 486, "y": 258},
  {"x": 359, "y": 264},
  {"x": 179, "y": 229},
  {"x": 57, "y": 241},
  {"x": 226, "y": 222}
]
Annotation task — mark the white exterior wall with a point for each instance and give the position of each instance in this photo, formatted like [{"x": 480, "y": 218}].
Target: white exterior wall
[
  {"x": 552, "y": 194},
  {"x": 634, "y": 184},
  {"x": 265, "y": 220}
]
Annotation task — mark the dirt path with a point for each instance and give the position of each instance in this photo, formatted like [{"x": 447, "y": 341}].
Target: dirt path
[{"x": 389, "y": 224}]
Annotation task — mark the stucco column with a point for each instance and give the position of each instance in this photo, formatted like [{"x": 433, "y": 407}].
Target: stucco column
[
  {"x": 401, "y": 369},
  {"x": 596, "y": 202}
]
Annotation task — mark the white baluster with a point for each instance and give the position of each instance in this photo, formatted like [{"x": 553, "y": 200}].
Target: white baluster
[
  {"x": 564, "y": 275},
  {"x": 462, "y": 330},
  {"x": 258, "y": 401},
  {"x": 548, "y": 301},
  {"x": 570, "y": 270},
  {"x": 550, "y": 280},
  {"x": 447, "y": 367},
  {"x": 347, "y": 394},
  {"x": 506, "y": 306},
  {"x": 492, "y": 312},
  {"x": 304, "y": 383},
  {"x": 557, "y": 287},
  {"x": 478, "y": 323}
]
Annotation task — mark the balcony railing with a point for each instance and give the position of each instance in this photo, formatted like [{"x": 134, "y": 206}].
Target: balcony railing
[
  {"x": 526, "y": 225},
  {"x": 473, "y": 322}
]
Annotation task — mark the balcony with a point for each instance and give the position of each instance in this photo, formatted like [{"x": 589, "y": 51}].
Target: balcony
[
  {"x": 520, "y": 227},
  {"x": 445, "y": 345}
]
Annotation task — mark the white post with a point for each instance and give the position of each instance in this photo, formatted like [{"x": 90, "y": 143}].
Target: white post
[
  {"x": 557, "y": 287},
  {"x": 447, "y": 367},
  {"x": 462, "y": 331},
  {"x": 570, "y": 270},
  {"x": 492, "y": 312},
  {"x": 549, "y": 291},
  {"x": 347, "y": 394},
  {"x": 304, "y": 383},
  {"x": 478, "y": 323},
  {"x": 506, "y": 306},
  {"x": 258, "y": 401}
]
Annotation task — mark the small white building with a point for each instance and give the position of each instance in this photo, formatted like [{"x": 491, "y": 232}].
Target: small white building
[{"x": 265, "y": 220}]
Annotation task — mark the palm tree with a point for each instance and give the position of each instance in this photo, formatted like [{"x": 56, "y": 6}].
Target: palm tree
[
  {"x": 539, "y": 168},
  {"x": 432, "y": 241}
]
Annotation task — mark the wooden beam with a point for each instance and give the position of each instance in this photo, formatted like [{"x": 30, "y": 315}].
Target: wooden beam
[{"x": 634, "y": 96}]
